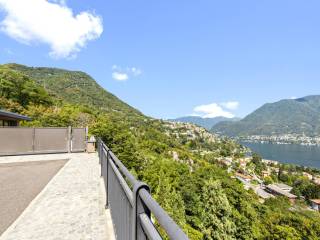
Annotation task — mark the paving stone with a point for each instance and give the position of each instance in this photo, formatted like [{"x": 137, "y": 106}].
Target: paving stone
[{"x": 71, "y": 206}]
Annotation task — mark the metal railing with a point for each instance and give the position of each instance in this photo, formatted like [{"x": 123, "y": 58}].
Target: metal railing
[{"x": 131, "y": 204}]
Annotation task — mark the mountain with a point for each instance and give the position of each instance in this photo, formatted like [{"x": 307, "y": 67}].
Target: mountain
[
  {"x": 207, "y": 123},
  {"x": 180, "y": 162},
  {"x": 74, "y": 87},
  {"x": 289, "y": 116}
]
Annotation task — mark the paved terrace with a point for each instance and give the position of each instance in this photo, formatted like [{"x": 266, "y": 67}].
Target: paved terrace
[{"x": 70, "y": 206}]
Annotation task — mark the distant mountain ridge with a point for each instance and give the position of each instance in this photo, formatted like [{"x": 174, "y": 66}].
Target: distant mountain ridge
[
  {"x": 289, "y": 116},
  {"x": 207, "y": 123}
]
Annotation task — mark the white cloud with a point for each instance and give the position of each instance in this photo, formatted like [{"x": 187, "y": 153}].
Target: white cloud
[
  {"x": 231, "y": 105},
  {"x": 135, "y": 71},
  {"x": 50, "y": 22},
  {"x": 118, "y": 76},
  {"x": 215, "y": 110},
  {"x": 125, "y": 73},
  {"x": 63, "y": 2},
  {"x": 194, "y": 115}
]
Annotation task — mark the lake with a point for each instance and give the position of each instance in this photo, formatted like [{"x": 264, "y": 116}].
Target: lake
[{"x": 308, "y": 156}]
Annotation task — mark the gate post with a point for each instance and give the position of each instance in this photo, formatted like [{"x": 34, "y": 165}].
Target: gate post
[
  {"x": 69, "y": 142},
  {"x": 33, "y": 139},
  {"x": 86, "y": 138}
]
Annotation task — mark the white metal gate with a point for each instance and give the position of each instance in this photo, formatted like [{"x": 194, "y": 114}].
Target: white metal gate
[
  {"x": 78, "y": 143},
  {"x": 16, "y": 140}
]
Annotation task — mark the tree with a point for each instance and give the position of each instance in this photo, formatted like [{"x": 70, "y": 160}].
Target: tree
[
  {"x": 215, "y": 213},
  {"x": 279, "y": 232},
  {"x": 170, "y": 199},
  {"x": 257, "y": 161},
  {"x": 21, "y": 89}
]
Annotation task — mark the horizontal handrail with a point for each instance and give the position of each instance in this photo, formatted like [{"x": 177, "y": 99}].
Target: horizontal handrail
[
  {"x": 123, "y": 169},
  {"x": 132, "y": 217},
  {"x": 171, "y": 228},
  {"x": 148, "y": 227},
  {"x": 122, "y": 182}
]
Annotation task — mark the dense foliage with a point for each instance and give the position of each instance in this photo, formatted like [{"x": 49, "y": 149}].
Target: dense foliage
[
  {"x": 192, "y": 187},
  {"x": 74, "y": 87}
]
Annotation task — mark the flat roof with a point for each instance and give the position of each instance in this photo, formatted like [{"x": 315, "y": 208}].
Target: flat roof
[
  {"x": 263, "y": 194},
  {"x": 282, "y": 185},
  {"x": 243, "y": 176},
  {"x": 14, "y": 115},
  {"x": 316, "y": 201},
  {"x": 278, "y": 190}
]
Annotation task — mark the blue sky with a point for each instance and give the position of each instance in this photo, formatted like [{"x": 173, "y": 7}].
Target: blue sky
[{"x": 176, "y": 58}]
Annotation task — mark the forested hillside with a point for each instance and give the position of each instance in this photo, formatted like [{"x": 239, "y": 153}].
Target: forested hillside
[
  {"x": 74, "y": 87},
  {"x": 178, "y": 161},
  {"x": 290, "y": 116}
]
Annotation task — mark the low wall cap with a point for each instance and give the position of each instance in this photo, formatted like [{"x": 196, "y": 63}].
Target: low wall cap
[{"x": 92, "y": 139}]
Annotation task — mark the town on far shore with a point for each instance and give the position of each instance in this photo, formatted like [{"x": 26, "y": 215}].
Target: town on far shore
[
  {"x": 267, "y": 178},
  {"x": 300, "y": 139}
]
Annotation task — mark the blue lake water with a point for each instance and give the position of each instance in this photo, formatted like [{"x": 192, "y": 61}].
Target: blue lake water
[{"x": 308, "y": 156}]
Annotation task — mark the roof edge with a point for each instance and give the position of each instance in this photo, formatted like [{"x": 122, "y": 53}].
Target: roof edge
[{"x": 14, "y": 115}]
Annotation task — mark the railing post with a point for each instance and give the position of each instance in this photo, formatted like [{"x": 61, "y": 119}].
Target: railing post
[
  {"x": 97, "y": 145},
  {"x": 99, "y": 149},
  {"x": 107, "y": 184},
  {"x": 104, "y": 159},
  {"x": 101, "y": 159},
  {"x": 139, "y": 208}
]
